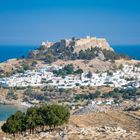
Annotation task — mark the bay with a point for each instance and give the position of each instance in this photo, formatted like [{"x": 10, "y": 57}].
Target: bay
[{"x": 8, "y": 110}]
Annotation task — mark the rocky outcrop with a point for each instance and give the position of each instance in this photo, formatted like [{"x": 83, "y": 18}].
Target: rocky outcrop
[
  {"x": 76, "y": 44},
  {"x": 85, "y": 43},
  {"x": 91, "y": 109}
]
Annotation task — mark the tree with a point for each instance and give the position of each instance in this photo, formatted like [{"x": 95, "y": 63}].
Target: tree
[
  {"x": 50, "y": 58},
  {"x": 34, "y": 63},
  {"x": 15, "y": 123},
  {"x": 57, "y": 115},
  {"x": 50, "y": 115},
  {"x": 4, "y": 128},
  {"x": 10, "y": 126},
  {"x": 66, "y": 70},
  {"x": 20, "y": 121},
  {"x": 29, "y": 91},
  {"x": 89, "y": 75},
  {"x": 31, "y": 119},
  {"x": 95, "y": 95},
  {"x": 11, "y": 95},
  {"x": 120, "y": 67},
  {"x": 69, "y": 69},
  {"x": 79, "y": 71}
]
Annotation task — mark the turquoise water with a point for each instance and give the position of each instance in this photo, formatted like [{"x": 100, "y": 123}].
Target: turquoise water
[{"x": 7, "y": 110}]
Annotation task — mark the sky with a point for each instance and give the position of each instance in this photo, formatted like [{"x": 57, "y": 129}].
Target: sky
[{"x": 24, "y": 22}]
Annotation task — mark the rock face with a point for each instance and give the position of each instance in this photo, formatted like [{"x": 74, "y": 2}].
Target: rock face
[
  {"x": 89, "y": 42},
  {"x": 91, "y": 108},
  {"x": 85, "y": 43}
]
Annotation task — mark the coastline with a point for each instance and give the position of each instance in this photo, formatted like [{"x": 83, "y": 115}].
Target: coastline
[
  {"x": 16, "y": 103},
  {"x": 13, "y": 103},
  {"x": 19, "y": 105},
  {"x": 9, "y": 108}
]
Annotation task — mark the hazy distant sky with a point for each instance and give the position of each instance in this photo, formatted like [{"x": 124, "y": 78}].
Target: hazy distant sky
[{"x": 32, "y": 21}]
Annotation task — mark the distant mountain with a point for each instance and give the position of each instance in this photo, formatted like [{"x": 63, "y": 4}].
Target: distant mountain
[{"x": 71, "y": 49}]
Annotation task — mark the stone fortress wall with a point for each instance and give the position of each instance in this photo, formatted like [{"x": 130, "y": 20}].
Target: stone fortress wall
[
  {"x": 85, "y": 43},
  {"x": 81, "y": 44}
]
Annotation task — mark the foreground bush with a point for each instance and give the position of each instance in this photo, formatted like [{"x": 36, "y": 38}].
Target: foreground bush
[{"x": 36, "y": 118}]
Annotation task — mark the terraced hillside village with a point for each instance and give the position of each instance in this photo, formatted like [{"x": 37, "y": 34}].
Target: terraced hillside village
[{"x": 100, "y": 88}]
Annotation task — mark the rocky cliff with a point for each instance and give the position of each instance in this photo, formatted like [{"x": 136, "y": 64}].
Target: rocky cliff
[{"x": 85, "y": 43}]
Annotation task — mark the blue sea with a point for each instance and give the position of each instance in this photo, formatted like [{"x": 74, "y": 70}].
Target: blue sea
[
  {"x": 132, "y": 50},
  {"x": 7, "y": 52}
]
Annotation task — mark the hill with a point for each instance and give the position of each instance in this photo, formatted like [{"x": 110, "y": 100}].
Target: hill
[{"x": 72, "y": 49}]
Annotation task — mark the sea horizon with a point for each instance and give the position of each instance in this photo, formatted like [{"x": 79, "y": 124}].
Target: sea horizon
[{"x": 15, "y": 52}]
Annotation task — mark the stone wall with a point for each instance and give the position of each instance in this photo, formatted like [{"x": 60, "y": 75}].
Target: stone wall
[{"x": 86, "y": 43}]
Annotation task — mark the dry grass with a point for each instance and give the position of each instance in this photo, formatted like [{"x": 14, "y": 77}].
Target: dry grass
[
  {"x": 137, "y": 113},
  {"x": 110, "y": 118},
  {"x": 91, "y": 65},
  {"x": 122, "y": 61}
]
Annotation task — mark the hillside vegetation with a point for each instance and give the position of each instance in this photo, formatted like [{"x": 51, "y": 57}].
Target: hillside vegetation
[{"x": 35, "y": 119}]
